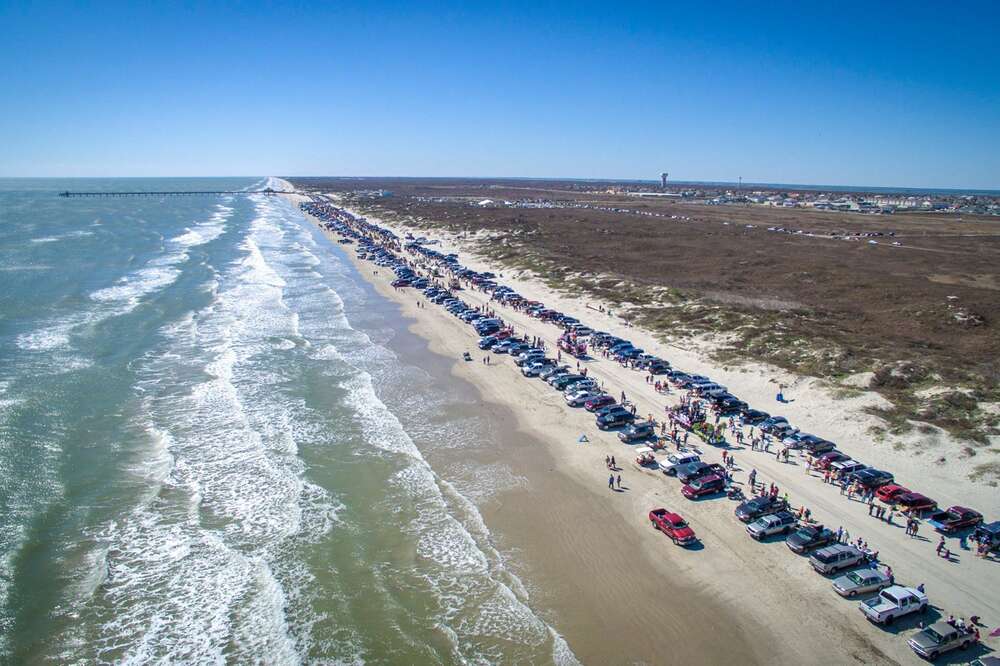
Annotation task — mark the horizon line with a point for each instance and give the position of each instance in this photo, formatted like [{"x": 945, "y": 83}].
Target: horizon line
[{"x": 768, "y": 185}]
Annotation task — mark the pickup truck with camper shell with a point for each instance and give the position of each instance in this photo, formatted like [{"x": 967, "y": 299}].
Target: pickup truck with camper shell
[{"x": 837, "y": 557}]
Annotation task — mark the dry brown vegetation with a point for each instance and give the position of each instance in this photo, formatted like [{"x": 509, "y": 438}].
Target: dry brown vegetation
[{"x": 922, "y": 314}]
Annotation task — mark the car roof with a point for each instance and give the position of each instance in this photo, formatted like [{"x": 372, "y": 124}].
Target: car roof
[
  {"x": 836, "y": 548},
  {"x": 941, "y": 628}
]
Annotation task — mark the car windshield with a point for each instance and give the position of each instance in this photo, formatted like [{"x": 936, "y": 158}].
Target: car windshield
[
  {"x": 856, "y": 578},
  {"x": 679, "y": 524},
  {"x": 805, "y": 534}
]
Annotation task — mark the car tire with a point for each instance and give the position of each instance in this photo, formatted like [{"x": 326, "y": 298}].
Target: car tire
[
  {"x": 674, "y": 539},
  {"x": 889, "y": 620},
  {"x": 653, "y": 524},
  {"x": 852, "y": 593},
  {"x": 932, "y": 656},
  {"x": 965, "y": 645},
  {"x": 923, "y": 609}
]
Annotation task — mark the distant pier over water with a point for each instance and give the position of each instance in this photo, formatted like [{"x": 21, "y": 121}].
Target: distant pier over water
[{"x": 186, "y": 193}]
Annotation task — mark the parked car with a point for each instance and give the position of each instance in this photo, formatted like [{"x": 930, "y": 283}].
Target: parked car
[
  {"x": 587, "y": 384},
  {"x": 487, "y": 342},
  {"x": 870, "y": 478},
  {"x": 672, "y": 462},
  {"x": 560, "y": 382},
  {"x": 810, "y": 538},
  {"x": 893, "y": 602},
  {"x": 989, "y": 534},
  {"x": 578, "y": 398},
  {"x": 534, "y": 368},
  {"x": 598, "y": 402},
  {"x": 847, "y": 466},
  {"x": 553, "y": 370},
  {"x": 528, "y": 356},
  {"x": 824, "y": 461},
  {"x": 760, "y": 506},
  {"x": 915, "y": 503},
  {"x": 673, "y": 526},
  {"x": 637, "y": 431},
  {"x": 817, "y": 446},
  {"x": 836, "y": 558},
  {"x": 754, "y": 416},
  {"x": 890, "y": 491},
  {"x": 769, "y": 424},
  {"x": 940, "y": 637},
  {"x": 696, "y": 470},
  {"x": 782, "y": 522},
  {"x": 615, "y": 418},
  {"x": 954, "y": 519},
  {"x": 706, "y": 485},
  {"x": 861, "y": 581}
]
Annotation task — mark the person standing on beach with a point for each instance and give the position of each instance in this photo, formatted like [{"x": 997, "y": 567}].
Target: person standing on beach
[
  {"x": 611, "y": 481},
  {"x": 619, "y": 481}
]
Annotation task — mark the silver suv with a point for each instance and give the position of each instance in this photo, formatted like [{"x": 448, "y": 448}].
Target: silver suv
[{"x": 836, "y": 558}]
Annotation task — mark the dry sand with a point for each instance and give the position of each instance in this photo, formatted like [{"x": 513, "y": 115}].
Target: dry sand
[{"x": 623, "y": 593}]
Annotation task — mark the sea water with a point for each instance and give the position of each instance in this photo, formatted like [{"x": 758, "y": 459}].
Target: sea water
[{"x": 211, "y": 449}]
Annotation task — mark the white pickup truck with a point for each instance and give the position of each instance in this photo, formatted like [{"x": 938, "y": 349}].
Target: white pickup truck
[
  {"x": 893, "y": 602},
  {"x": 670, "y": 464}
]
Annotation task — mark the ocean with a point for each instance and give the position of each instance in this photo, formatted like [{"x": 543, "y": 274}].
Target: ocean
[{"x": 214, "y": 442}]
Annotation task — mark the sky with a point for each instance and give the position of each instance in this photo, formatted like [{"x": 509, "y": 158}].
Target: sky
[{"x": 878, "y": 94}]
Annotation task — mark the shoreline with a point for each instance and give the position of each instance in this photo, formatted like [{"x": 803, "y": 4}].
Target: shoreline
[{"x": 733, "y": 569}]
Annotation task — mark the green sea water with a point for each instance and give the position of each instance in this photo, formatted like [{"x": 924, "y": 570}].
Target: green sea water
[{"x": 213, "y": 443}]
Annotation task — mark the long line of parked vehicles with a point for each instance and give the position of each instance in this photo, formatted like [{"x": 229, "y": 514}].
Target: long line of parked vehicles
[{"x": 856, "y": 571}]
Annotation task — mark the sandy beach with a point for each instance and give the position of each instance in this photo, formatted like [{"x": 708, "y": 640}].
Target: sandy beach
[{"x": 622, "y": 593}]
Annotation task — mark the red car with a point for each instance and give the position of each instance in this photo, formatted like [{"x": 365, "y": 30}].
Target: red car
[
  {"x": 890, "y": 491},
  {"x": 706, "y": 485},
  {"x": 915, "y": 502},
  {"x": 824, "y": 461},
  {"x": 673, "y": 526},
  {"x": 594, "y": 404},
  {"x": 954, "y": 519}
]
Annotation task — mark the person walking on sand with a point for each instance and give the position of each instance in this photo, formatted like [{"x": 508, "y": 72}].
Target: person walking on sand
[
  {"x": 611, "y": 481},
  {"x": 614, "y": 465},
  {"x": 619, "y": 481},
  {"x": 940, "y": 546},
  {"x": 607, "y": 461}
]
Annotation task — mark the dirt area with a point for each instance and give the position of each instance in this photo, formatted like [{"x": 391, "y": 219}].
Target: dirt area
[{"x": 813, "y": 298}]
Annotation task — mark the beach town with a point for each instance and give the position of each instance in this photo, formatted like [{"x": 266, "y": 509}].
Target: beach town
[{"x": 903, "y": 568}]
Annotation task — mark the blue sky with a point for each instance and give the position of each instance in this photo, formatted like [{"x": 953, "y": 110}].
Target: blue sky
[{"x": 900, "y": 94}]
